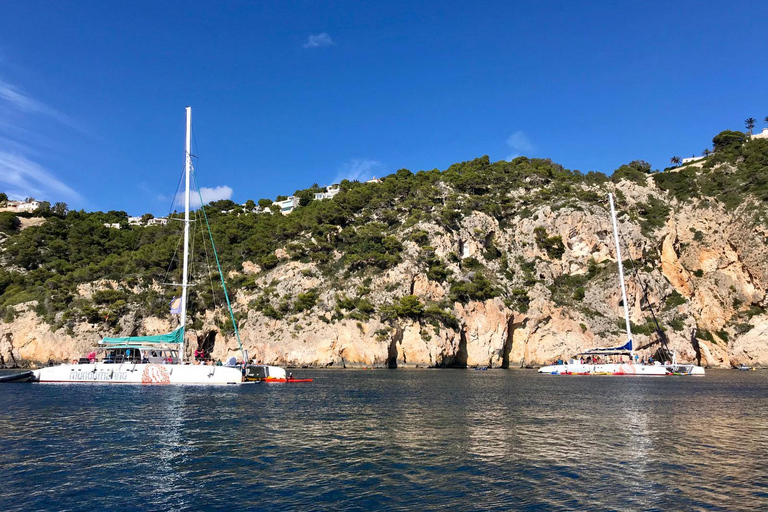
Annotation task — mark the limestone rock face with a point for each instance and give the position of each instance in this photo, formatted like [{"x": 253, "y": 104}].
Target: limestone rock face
[
  {"x": 704, "y": 273},
  {"x": 485, "y": 330},
  {"x": 28, "y": 340}
]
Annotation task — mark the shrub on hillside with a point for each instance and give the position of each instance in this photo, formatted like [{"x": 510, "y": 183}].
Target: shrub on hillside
[
  {"x": 305, "y": 301},
  {"x": 9, "y": 222},
  {"x": 552, "y": 245},
  {"x": 478, "y": 288}
]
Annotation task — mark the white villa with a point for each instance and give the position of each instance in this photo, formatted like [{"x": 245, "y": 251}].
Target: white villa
[
  {"x": 288, "y": 205},
  {"x": 156, "y": 221},
  {"x": 28, "y": 206},
  {"x": 692, "y": 159},
  {"x": 328, "y": 194},
  {"x": 761, "y": 135}
]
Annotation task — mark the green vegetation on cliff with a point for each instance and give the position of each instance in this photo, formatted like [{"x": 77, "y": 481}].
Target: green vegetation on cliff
[{"x": 364, "y": 231}]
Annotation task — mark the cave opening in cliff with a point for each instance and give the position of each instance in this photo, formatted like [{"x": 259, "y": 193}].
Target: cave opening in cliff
[
  {"x": 507, "y": 348},
  {"x": 206, "y": 343},
  {"x": 462, "y": 355},
  {"x": 397, "y": 337}
]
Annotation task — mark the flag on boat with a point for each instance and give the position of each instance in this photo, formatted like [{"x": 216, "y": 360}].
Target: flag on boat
[{"x": 176, "y": 306}]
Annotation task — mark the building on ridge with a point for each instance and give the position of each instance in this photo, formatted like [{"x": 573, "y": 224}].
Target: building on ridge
[
  {"x": 287, "y": 205},
  {"x": 329, "y": 193}
]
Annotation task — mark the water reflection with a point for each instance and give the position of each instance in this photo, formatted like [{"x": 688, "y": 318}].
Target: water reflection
[{"x": 392, "y": 440}]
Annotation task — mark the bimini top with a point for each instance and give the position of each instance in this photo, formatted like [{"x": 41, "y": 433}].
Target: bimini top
[
  {"x": 174, "y": 337},
  {"x": 623, "y": 349}
]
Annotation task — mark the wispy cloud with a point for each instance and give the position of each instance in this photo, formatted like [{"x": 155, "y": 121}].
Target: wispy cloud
[
  {"x": 209, "y": 195},
  {"x": 519, "y": 143},
  {"x": 360, "y": 169},
  {"x": 22, "y": 102},
  {"x": 319, "y": 40},
  {"x": 24, "y": 178},
  {"x": 20, "y": 141}
]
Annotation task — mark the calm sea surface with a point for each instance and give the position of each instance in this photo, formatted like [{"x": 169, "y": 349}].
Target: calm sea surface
[{"x": 391, "y": 440}]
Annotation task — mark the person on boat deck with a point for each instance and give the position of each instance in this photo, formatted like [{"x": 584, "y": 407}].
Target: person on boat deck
[
  {"x": 290, "y": 376},
  {"x": 91, "y": 356}
]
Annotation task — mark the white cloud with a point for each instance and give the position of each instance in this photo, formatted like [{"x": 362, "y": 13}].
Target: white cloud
[
  {"x": 519, "y": 143},
  {"x": 319, "y": 40},
  {"x": 209, "y": 195},
  {"x": 215, "y": 194},
  {"x": 360, "y": 169},
  {"x": 24, "y": 178}
]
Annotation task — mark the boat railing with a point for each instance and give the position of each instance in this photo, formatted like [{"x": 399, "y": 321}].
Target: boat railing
[{"x": 121, "y": 358}]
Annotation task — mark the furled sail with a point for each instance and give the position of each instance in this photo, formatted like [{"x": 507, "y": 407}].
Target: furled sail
[{"x": 622, "y": 349}]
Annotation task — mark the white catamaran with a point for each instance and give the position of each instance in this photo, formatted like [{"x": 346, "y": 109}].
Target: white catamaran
[
  {"x": 610, "y": 360},
  {"x": 150, "y": 359}
]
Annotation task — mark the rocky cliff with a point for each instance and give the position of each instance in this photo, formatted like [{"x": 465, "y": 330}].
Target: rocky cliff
[{"x": 537, "y": 282}]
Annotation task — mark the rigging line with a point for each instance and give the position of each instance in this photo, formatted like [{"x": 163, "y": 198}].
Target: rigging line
[
  {"x": 208, "y": 265},
  {"x": 194, "y": 141},
  {"x": 192, "y": 252},
  {"x": 176, "y": 193},
  {"x": 221, "y": 275},
  {"x": 662, "y": 337},
  {"x": 170, "y": 263},
  {"x": 202, "y": 233},
  {"x": 210, "y": 274},
  {"x": 193, "y": 260}
]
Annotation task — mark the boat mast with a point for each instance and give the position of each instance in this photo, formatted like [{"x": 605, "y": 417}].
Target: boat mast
[
  {"x": 621, "y": 277},
  {"x": 184, "y": 284}
]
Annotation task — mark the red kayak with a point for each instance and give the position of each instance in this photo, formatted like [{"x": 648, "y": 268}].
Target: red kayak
[{"x": 289, "y": 381}]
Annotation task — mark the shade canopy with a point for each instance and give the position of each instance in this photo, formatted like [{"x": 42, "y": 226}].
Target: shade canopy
[{"x": 174, "y": 337}]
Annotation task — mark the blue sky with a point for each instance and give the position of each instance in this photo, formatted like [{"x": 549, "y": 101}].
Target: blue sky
[{"x": 286, "y": 94}]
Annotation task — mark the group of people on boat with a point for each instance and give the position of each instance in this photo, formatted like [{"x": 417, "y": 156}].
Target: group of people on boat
[
  {"x": 609, "y": 359},
  {"x": 202, "y": 355}
]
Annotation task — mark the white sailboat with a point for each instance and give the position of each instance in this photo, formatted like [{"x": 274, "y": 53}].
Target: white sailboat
[
  {"x": 610, "y": 360},
  {"x": 149, "y": 359}
]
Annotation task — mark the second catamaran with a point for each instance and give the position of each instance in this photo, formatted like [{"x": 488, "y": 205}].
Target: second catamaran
[{"x": 610, "y": 360}]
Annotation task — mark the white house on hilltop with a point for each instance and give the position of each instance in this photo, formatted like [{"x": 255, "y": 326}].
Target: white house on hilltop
[
  {"x": 28, "y": 206},
  {"x": 288, "y": 205},
  {"x": 329, "y": 193},
  {"x": 156, "y": 221}
]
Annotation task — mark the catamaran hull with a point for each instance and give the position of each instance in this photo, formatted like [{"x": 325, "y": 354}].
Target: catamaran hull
[
  {"x": 621, "y": 369},
  {"x": 127, "y": 373}
]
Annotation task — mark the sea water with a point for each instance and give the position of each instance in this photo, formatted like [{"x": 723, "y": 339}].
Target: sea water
[{"x": 391, "y": 440}]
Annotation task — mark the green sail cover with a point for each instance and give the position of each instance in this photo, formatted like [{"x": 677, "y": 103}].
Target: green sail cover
[{"x": 176, "y": 336}]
